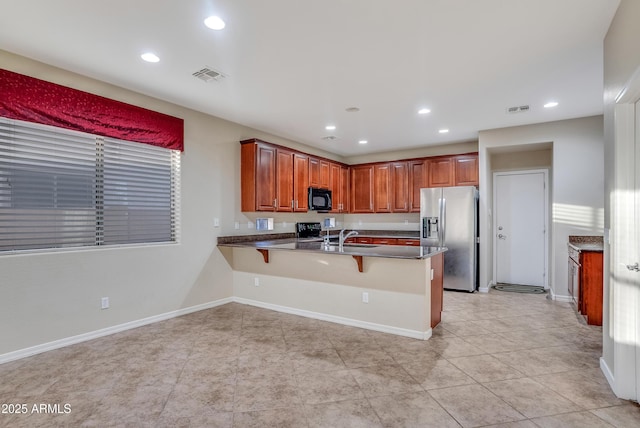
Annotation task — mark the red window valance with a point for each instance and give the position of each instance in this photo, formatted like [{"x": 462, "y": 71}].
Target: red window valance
[{"x": 34, "y": 100}]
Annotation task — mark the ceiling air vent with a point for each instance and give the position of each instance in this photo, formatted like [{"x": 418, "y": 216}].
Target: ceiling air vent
[
  {"x": 517, "y": 109},
  {"x": 208, "y": 74},
  {"x": 329, "y": 137}
]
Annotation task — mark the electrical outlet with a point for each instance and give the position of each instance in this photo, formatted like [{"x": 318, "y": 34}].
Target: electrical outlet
[
  {"x": 236, "y": 225},
  {"x": 250, "y": 225},
  {"x": 104, "y": 303},
  {"x": 256, "y": 281},
  {"x": 365, "y": 297},
  {"x": 406, "y": 221}
]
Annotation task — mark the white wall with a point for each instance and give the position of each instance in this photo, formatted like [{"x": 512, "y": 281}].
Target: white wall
[
  {"x": 620, "y": 355},
  {"x": 577, "y": 188}
]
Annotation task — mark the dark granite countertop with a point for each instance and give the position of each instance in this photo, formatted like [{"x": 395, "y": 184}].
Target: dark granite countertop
[
  {"x": 318, "y": 246},
  {"x": 586, "y": 242}
]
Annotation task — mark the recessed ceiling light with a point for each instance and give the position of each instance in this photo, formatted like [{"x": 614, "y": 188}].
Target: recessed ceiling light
[
  {"x": 330, "y": 127},
  {"x": 363, "y": 141},
  {"x": 214, "y": 22},
  {"x": 352, "y": 109},
  {"x": 424, "y": 111},
  {"x": 150, "y": 57},
  {"x": 550, "y": 104},
  {"x": 443, "y": 131}
]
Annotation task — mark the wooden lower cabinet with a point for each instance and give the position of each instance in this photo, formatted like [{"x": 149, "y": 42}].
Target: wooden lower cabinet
[{"x": 590, "y": 286}]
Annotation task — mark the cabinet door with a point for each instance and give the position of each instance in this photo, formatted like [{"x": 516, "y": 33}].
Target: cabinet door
[
  {"x": 384, "y": 241},
  {"x": 344, "y": 189},
  {"x": 284, "y": 180},
  {"x": 362, "y": 189},
  {"x": 399, "y": 187},
  {"x": 324, "y": 174},
  {"x": 382, "y": 188},
  {"x": 437, "y": 290},
  {"x": 314, "y": 172},
  {"x": 440, "y": 172},
  {"x": 334, "y": 186},
  {"x": 300, "y": 182},
  {"x": 417, "y": 180},
  {"x": 265, "y": 178},
  {"x": 466, "y": 170},
  {"x": 408, "y": 242}
]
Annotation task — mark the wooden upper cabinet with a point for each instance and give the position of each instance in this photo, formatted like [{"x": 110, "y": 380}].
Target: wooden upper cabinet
[
  {"x": 339, "y": 186},
  {"x": 314, "y": 172},
  {"x": 382, "y": 188},
  {"x": 258, "y": 176},
  {"x": 466, "y": 170},
  {"x": 284, "y": 180},
  {"x": 361, "y": 189},
  {"x": 417, "y": 179},
  {"x": 399, "y": 187},
  {"x": 440, "y": 172},
  {"x": 325, "y": 173},
  {"x": 300, "y": 182},
  {"x": 344, "y": 189}
]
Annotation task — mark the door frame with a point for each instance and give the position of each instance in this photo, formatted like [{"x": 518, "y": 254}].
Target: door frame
[
  {"x": 494, "y": 227},
  {"x": 623, "y": 299}
]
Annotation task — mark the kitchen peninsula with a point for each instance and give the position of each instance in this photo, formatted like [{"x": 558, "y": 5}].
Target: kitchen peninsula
[{"x": 390, "y": 288}]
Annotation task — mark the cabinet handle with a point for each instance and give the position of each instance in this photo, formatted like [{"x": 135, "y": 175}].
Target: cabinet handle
[
  {"x": 291, "y": 203},
  {"x": 275, "y": 203},
  {"x": 296, "y": 204},
  {"x": 634, "y": 267}
]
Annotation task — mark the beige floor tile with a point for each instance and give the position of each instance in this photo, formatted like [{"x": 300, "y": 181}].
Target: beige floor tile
[
  {"x": 518, "y": 424},
  {"x": 265, "y": 394},
  {"x": 530, "y": 398},
  {"x": 627, "y": 415},
  {"x": 451, "y": 347},
  {"x": 272, "y": 366},
  {"x": 437, "y": 374},
  {"x": 197, "y": 370},
  {"x": 384, "y": 380},
  {"x": 364, "y": 357},
  {"x": 572, "y": 420},
  {"x": 587, "y": 388},
  {"x": 351, "y": 413},
  {"x": 320, "y": 360},
  {"x": 323, "y": 387},
  {"x": 416, "y": 409},
  {"x": 485, "y": 368},
  {"x": 474, "y": 406},
  {"x": 282, "y": 418}
]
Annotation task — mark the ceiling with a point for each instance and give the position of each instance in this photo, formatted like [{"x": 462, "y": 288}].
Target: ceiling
[{"x": 292, "y": 67}]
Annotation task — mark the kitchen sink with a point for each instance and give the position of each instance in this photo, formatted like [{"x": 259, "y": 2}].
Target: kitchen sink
[{"x": 353, "y": 245}]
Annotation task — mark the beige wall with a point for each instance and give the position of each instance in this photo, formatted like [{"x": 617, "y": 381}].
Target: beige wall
[
  {"x": 621, "y": 61},
  {"x": 530, "y": 159},
  {"x": 576, "y": 186},
  {"x": 329, "y": 286},
  {"x": 55, "y": 295}
]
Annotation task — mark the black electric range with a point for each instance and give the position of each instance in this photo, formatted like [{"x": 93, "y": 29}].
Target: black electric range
[{"x": 308, "y": 230}]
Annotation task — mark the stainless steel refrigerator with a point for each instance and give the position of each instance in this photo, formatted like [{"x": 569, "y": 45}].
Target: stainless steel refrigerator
[{"x": 449, "y": 218}]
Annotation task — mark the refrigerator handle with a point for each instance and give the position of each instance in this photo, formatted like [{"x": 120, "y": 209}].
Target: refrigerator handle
[{"x": 443, "y": 223}]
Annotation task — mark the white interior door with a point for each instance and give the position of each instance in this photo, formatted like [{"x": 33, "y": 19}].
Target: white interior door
[{"x": 520, "y": 227}]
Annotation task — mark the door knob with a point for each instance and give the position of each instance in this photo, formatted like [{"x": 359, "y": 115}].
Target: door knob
[
  {"x": 634, "y": 267},
  {"x": 499, "y": 227},
  {"x": 501, "y": 236}
]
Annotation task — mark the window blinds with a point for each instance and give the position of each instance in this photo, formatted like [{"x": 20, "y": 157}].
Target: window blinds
[{"x": 61, "y": 188}]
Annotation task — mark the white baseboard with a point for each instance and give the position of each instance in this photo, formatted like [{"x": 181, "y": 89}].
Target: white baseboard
[
  {"x": 49, "y": 346},
  {"x": 485, "y": 289},
  {"x": 422, "y": 335},
  {"x": 560, "y": 298},
  {"x": 607, "y": 373}
]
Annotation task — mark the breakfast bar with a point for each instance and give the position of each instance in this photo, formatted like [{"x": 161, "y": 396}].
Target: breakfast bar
[{"x": 393, "y": 289}]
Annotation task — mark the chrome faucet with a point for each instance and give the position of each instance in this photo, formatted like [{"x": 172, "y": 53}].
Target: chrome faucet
[{"x": 342, "y": 237}]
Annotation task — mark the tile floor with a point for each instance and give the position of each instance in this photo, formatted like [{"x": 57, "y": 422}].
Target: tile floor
[{"x": 498, "y": 359}]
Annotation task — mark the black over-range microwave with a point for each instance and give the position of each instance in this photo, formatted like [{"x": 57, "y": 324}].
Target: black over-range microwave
[{"x": 319, "y": 199}]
